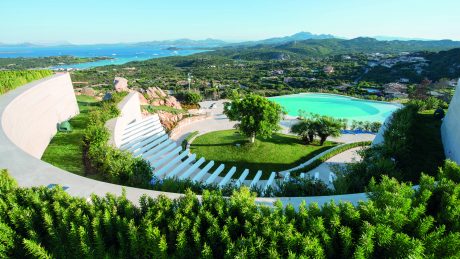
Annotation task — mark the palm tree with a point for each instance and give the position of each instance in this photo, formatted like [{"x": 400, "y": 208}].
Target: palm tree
[
  {"x": 305, "y": 129},
  {"x": 327, "y": 126}
]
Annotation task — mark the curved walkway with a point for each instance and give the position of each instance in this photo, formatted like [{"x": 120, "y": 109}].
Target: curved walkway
[{"x": 30, "y": 171}]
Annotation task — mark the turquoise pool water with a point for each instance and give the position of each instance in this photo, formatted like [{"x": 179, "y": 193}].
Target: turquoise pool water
[{"x": 336, "y": 106}]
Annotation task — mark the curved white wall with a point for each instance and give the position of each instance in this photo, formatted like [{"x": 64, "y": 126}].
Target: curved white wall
[
  {"x": 130, "y": 110},
  {"x": 450, "y": 129},
  {"x": 30, "y": 120}
]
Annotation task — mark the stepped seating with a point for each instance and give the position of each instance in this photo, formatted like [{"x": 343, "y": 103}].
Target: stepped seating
[{"x": 147, "y": 139}]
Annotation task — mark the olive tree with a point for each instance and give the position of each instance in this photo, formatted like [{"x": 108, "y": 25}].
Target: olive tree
[{"x": 257, "y": 116}]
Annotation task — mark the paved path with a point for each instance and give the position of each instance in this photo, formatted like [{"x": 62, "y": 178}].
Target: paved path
[{"x": 349, "y": 156}]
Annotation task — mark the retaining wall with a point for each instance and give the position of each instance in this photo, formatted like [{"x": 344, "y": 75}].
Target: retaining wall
[
  {"x": 450, "y": 128},
  {"x": 130, "y": 110},
  {"x": 31, "y": 119}
]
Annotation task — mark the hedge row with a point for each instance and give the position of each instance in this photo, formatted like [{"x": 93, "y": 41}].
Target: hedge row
[
  {"x": 112, "y": 164},
  {"x": 10, "y": 80}
]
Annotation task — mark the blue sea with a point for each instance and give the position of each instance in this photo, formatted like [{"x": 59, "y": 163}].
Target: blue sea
[{"x": 120, "y": 53}]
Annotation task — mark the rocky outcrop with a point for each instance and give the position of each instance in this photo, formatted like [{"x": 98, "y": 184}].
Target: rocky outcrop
[
  {"x": 120, "y": 84},
  {"x": 155, "y": 93},
  {"x": 88, "y": 91},
  {"x": 158, "y": 97},
  {"x": 142, "y": 99},
  {"x": 169, "y": 120}
]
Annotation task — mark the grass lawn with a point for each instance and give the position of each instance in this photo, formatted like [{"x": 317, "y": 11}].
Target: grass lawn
[
  {"x": 65, "y": 149},
  {"x": 269, "y": 155}
]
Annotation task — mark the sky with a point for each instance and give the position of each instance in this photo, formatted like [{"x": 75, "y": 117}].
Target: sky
[{"x": 112, "y": 21}]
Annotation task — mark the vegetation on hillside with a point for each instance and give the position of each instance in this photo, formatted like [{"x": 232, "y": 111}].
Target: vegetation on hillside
[
  {"x": 43, "y": 62},
  {"x": 397, "y": 222},
  {"x": 9, "y": 80}
]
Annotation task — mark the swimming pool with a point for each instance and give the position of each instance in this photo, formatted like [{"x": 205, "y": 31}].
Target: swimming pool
[{"x": 337, "y": 106}]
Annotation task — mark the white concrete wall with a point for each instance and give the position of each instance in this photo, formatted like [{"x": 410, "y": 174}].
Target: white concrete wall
[
  {"x": 130, "y": 110},
  {"x": 379, "y": 137},
  {"x": 450, "y": 129},
  {"x": 30, "y": 120}
]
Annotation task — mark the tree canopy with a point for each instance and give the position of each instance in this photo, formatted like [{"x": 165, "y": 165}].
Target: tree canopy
[
  {"x": 257, "y": 115},
  {"x": 321, "y": 126}
]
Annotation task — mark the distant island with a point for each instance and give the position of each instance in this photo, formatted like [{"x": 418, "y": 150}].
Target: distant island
[
  {"x": 173, "y": 48},
  {"x": 44, "y": 62}
]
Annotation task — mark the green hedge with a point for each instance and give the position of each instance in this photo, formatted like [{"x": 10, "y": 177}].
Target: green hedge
[
  {"x": 326, "y": 156},
  {"x": 10, "y": 80},
  {"x": 397, "y": 222},
  {"x": 112, "y": 164}
]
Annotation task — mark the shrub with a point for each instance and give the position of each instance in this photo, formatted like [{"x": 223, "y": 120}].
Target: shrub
[
  {"x": 9, "y": 80},
  {"x": 189, "y": 97},
  {"x": 112, "y": 164},
  {"x": 397, "y": 222},
  {"x": 187, "y": 139}
]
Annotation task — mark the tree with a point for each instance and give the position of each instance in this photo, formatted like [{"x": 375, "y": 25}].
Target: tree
[
  {"x": 321, "y": 126},
  {"x": 257, "y": 115},
  {"x": 327, "y": 126},
  {"x": 189, "y": 97},
  {"x": 305, "y": 129}
]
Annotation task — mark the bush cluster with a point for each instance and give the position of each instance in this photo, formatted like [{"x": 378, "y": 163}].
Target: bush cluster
[
  {"x": 9, "y": 80},
  {"x": 397, "y": 222},
  {"x": 429, "y": 103},
  {"x": 405, "y": 140},
  {"x": 189, "y": 97},
  {"x": 112, "y": 164}
]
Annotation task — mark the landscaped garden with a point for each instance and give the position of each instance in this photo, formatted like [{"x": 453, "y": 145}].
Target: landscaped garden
[
  {"x": 66, "y": 148},
  {"x": 274, "y": 154}
]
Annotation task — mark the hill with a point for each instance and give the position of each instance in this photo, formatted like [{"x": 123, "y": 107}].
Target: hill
[{"x": 326, "y": 47}]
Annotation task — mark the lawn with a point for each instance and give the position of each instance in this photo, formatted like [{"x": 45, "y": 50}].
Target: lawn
[
  {"x": 65, "y": 149},
  {"x": 278, "y": 153}
]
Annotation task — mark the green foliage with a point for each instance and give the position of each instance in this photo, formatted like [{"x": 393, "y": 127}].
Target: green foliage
[
  {"x": 275, "y": 154},
  {"x": 189, "y": 97},
  {"x": 154, "y": 109},
  {"x": 430, "y": 103},
  {"x": 412, "y": 144},
  {"x": 9, "y": 80},
  {"x": 187, "y": 139},
  {"x": 21, "y": 63},
  {"x": 330, "y": 154},
  {"x": 34, "y": 250},
  {"x": 321, "y": 126},
  {"x": 112, "y": 164},
  {"x": 397, "y": 222},
  {"x": 300, "y": 187},
  {"x": 257, "y": 115}
]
